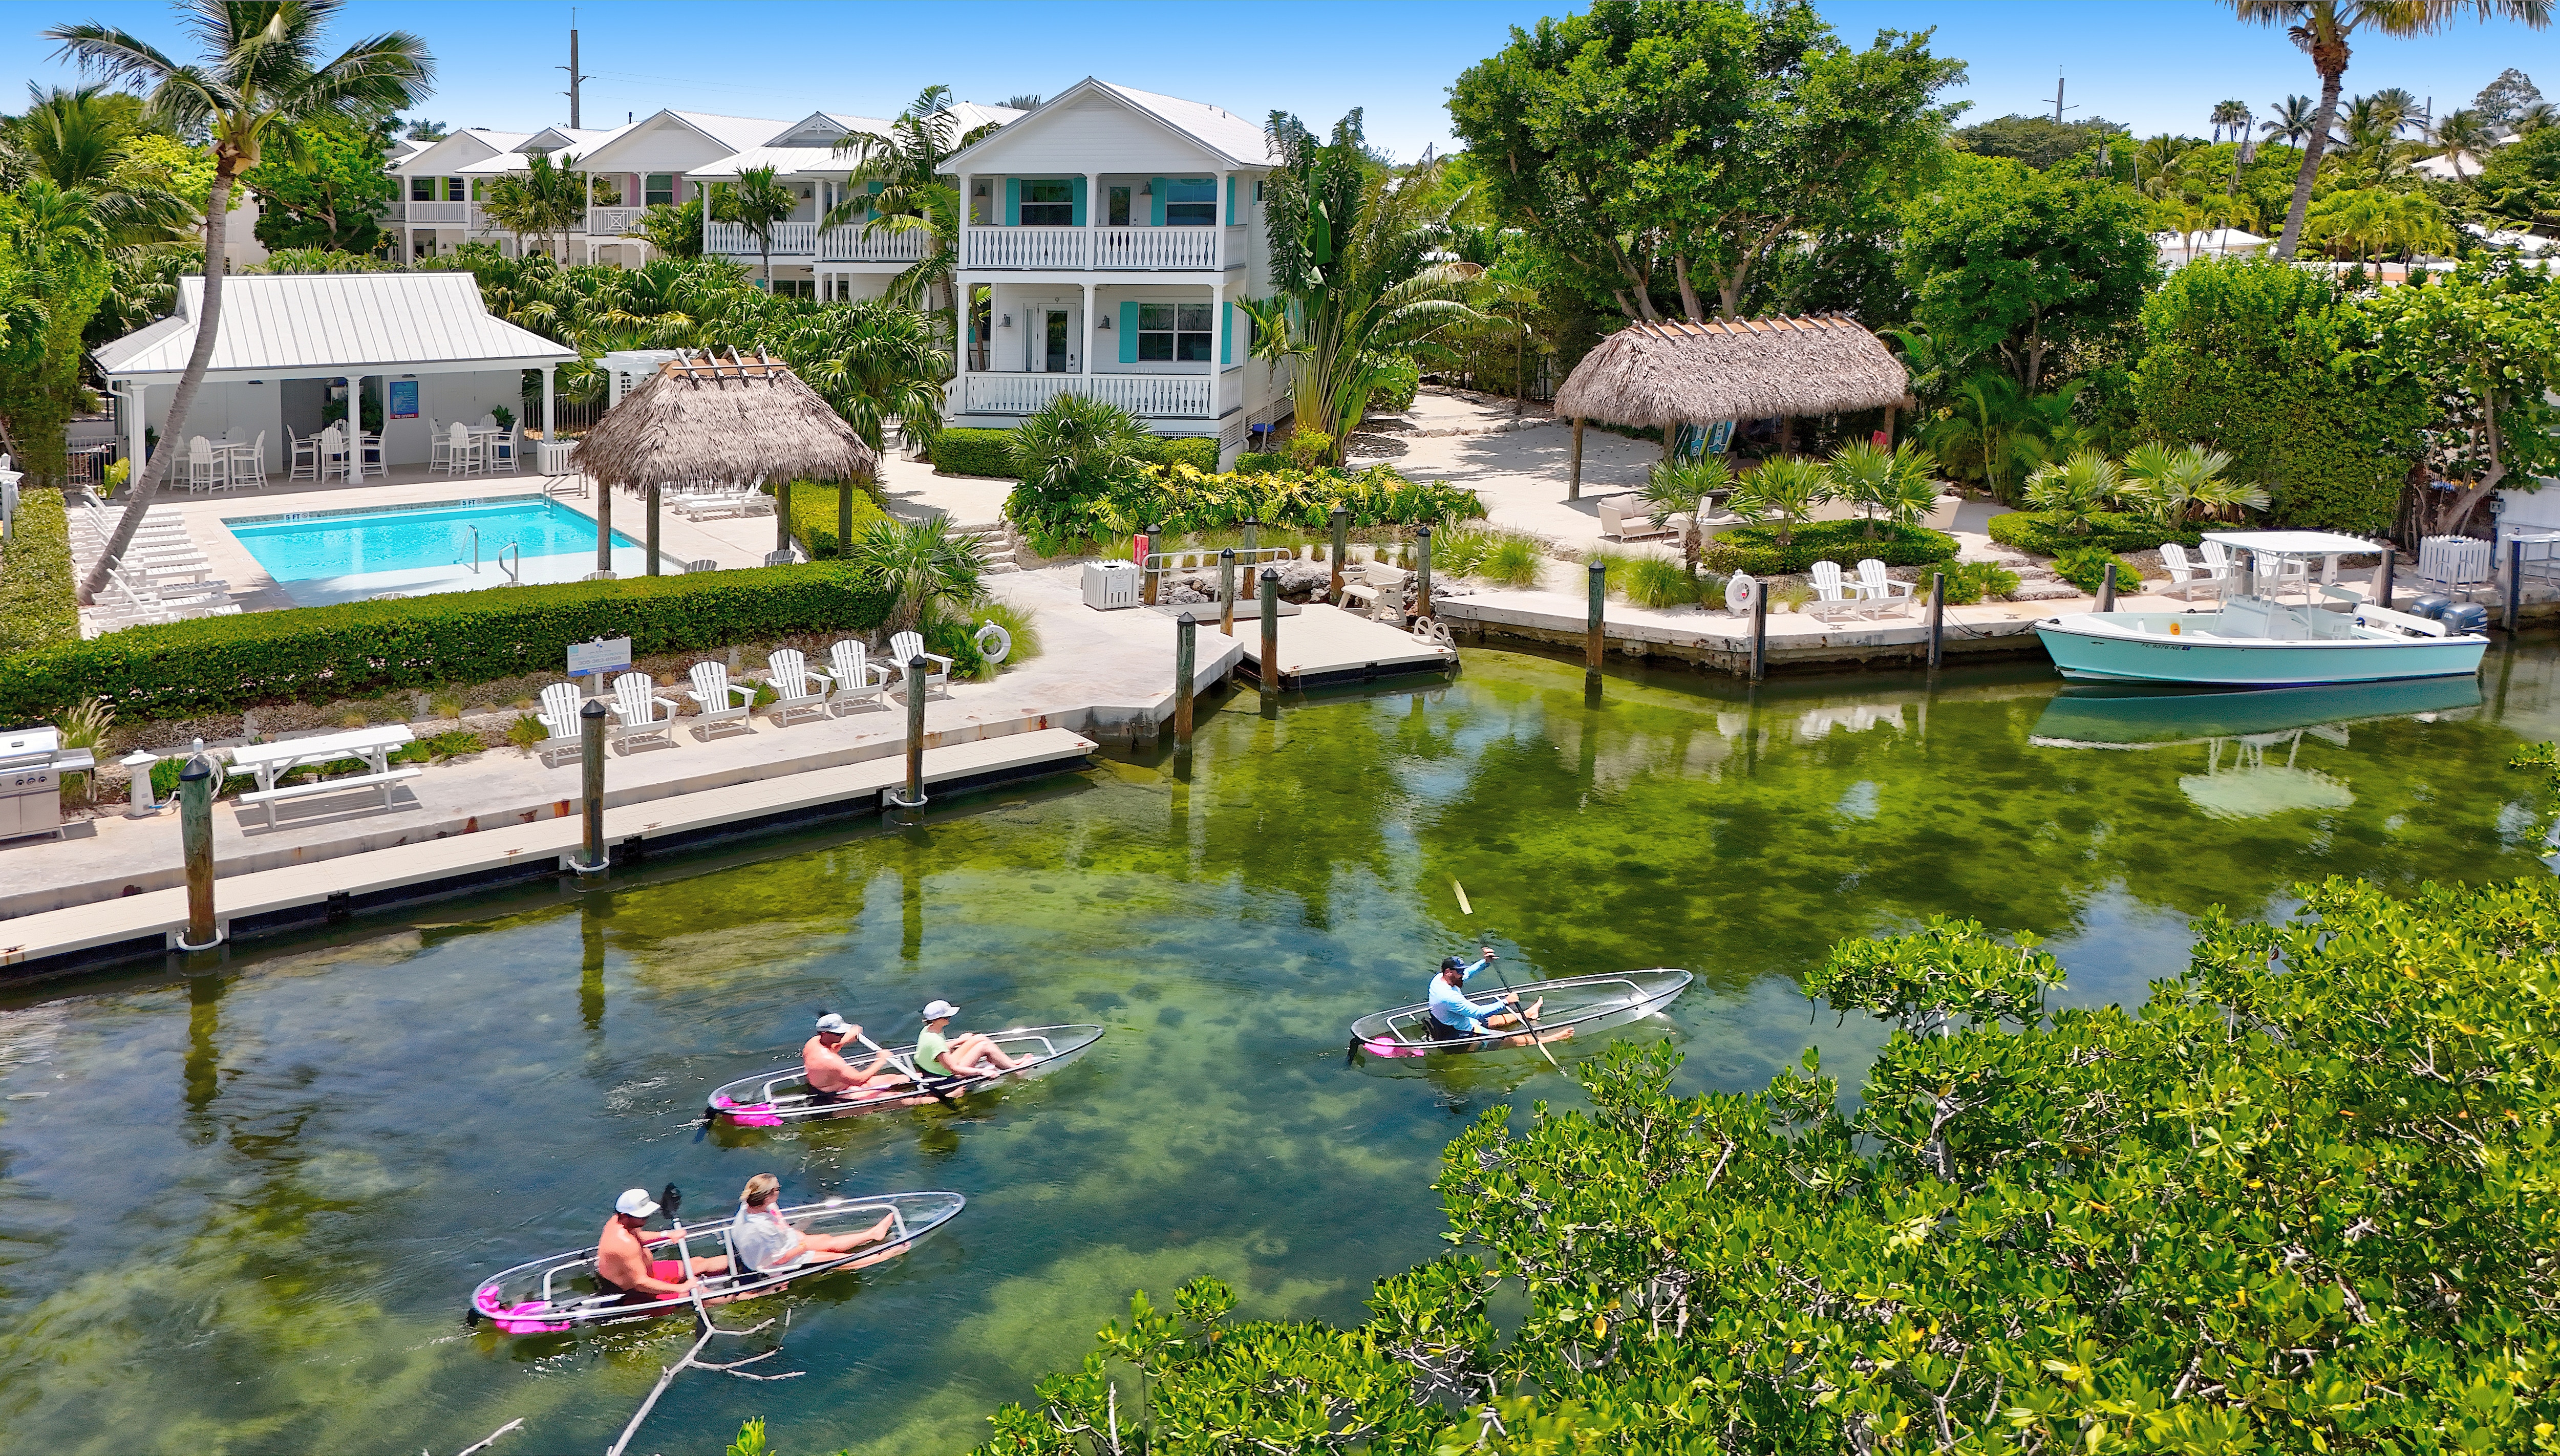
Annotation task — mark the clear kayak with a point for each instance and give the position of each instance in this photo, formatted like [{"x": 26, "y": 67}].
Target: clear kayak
[
  {"x": 563, "y": 1292},
  {"x": 1583, "y": 1004},
  {"x": 772, "y": 1098}
]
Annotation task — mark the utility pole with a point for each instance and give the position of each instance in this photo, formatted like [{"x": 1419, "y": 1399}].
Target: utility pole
[
  {"x": 575, "y": 75},
  {"x": 2058, "y": 107}
]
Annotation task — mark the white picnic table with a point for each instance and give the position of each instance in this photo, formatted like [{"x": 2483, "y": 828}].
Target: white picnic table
[{"x": 270, "y": 763}]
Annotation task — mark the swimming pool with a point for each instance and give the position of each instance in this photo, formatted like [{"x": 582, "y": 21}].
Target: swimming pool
[{"x": 328, "y": 557}]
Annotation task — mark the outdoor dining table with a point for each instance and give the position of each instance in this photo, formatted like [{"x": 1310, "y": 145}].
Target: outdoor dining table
[{"x": 270, "y": 763}]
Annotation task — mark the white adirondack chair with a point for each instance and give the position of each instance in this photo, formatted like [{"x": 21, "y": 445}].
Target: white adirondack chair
[
  {"x": 905, "y": 648},
  {"x": 1880, "y": 591},
  {"x": 801, "y": 690},
  {"x": 635, "y": 707},
  {"x": 857, "y": 679},
  {"x": 558, "y": 717},
  {"x": 2184, "y": 576},
  {"x": 1830, "y": 594},
  {"x": 714, "y": 692}
]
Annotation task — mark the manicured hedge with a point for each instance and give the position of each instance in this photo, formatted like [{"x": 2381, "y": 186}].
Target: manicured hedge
[
  {"x": 813, "y": 515},
  {"x": 38, "y": 603},
  {"x": 1755, "y": 549},
  {"x": 1180, "y": 497},
  {"x": 316, "y": 654},
  {"x": 991, "y": 453},
  {"x": 2040, "y": 534}
]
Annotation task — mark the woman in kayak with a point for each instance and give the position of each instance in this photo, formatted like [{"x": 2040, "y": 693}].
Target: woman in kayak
[
  {"x": 939, "y": 1054},
  {"x": 1454, "y": 1018},
  {"x": 766, "y": 1241}
]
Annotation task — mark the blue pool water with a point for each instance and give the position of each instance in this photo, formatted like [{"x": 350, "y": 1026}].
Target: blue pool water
[{"x": 330, "y": 557}]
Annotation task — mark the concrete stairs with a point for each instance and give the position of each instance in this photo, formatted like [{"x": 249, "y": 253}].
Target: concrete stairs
[{"x": 995, "y": 545}]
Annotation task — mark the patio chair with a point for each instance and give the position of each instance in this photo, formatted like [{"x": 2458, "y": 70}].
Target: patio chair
[
  {"x": 635, "y": 707},
  {"x": 790, "y": 557},
  {"x": 1831, "y": 594},
  {"x": 303, "y": 459},
  {"x": 558, "y": 717},
  {"x": 711, "y": 692},
  {"x": 461, "y": 451},
  {"x": 205, "y": 469},
  {"x": 905, "y": 647},
  {"x": 504, "y": 450},
  {"x": 2184, "y": 576},
  {"x": 800, "y": 690},
  {"x": 857, "y": 678},
  {"x": 1621, "y": 521},
  {"x": 705, "y": 564},
  {"x": 1882, "y": 592},
  {"x": 369, "y": 456},
  {"x": 439, "y": 445},
  {"x": 335, "y": 458}
]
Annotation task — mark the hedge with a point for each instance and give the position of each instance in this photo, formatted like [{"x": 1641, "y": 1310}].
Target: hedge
[
  {"x": 39, "y": 605},
  {"x": 991, "y": 453},
  {"x": 1755, "y": 549},
  {"x": 813, "y": 515},
  {"x": 1180, "y": 497},
  {"x": 2040, "y": 533},
  {"x": 317, "y": 654}
]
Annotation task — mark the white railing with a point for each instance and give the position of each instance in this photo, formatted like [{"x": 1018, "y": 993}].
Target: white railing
[
  {"x": 444, "y": 214},
  {"x": 790, "y": 240},
  {"x": 1158, "y": 248},
  {"x": 1026, "y": 247},
  {"x": 1238, "y": 250},
  {"x": 849, "y": 246},
  {"x": 612, "y": 221},
  {"x": 1147, "y": 396}
]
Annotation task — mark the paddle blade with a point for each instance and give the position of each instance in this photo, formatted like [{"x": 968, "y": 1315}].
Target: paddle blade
[
  {"x": 671, "y": 1199},
  {"x": 1463, "y": 907}
]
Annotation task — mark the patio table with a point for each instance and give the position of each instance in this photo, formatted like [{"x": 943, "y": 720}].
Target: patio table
[{"x": 270, "y": 763}]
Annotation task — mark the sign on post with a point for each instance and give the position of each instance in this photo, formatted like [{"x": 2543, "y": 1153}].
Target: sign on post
[{"x": 599, "y": 656}]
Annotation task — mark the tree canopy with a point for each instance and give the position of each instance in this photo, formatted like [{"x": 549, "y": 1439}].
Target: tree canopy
[
  {"x": 2039, "y": 141},
  {"x": 329, "y": 189}
]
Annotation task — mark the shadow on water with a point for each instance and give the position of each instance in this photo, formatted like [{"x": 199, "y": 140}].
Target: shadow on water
[{"x": 284, "y": 1175}]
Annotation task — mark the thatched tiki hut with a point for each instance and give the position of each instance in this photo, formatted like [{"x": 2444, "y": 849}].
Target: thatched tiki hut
[
  {"x": 1668, "y": 374},
  {"x": 738, "y": 422}
]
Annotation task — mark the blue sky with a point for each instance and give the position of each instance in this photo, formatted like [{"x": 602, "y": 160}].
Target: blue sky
[{"x": 2153, "y": 65}]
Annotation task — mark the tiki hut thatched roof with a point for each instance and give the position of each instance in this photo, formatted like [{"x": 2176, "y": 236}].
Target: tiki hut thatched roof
[
  {"x": 735, "y": 419},
  {"x": 1679, "y": 373}
]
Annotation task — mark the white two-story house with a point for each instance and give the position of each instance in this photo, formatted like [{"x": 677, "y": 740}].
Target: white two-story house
[{"x": 1110, "y": 233}]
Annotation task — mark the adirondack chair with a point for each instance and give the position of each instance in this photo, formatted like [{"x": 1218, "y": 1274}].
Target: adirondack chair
[
  {"x": 801, "y": 690},
  {"x": 635, "y": 707},
  {"x": 558, "y": 717},
  {"x": 1880, "y": 591},
  {"x": 2183, "y": 576},
  {"x": 713, "y": 693},
  {"x": 905, "y": 648},
  {"x": 857, "y": 679},
  {"x": 1830, "y": 594}
]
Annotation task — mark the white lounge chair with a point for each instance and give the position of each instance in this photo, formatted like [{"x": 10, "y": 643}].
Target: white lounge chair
[
  {"x": 790, "y": 557},
  {"x": 558, "y": 717},
  {"x": 905, "y": 648},
  {"x": 1830, "y": 594},
  {"x": 711, "y": 692},
  {"x": 707, "y": 563},
  {"x": 2184, "y": 578},
  {"x": 635, "y": 705},
  {"x": 799, "y": 689},
  {"x": 857, "y": 678},
  {"x": 703, "y": 508},
  {"x": 1621, "y": 521},
  {"x": 1880, "y": 591}
]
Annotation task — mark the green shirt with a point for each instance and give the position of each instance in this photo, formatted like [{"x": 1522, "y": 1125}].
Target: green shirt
[{"x": 930, "y": 1046}]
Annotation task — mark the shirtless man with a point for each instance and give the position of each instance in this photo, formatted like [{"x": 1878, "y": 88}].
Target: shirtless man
[
  {"x": 622, "y": 1255},
  {"x": 829, "y": 1073}
]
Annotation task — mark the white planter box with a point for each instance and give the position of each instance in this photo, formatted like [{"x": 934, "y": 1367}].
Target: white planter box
[{"x": 1109, "y": 586}]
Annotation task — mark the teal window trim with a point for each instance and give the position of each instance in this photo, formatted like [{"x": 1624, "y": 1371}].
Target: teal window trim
[
  {"x": 1013, "y": 201},
  {"x": 1230, "y": 201},
  {"x": 1156, "y": 188},
  {"x": 1129, "y": 331},
  {"x": 1226, "y": 325},
  {"x": 1075, "y": 191}
]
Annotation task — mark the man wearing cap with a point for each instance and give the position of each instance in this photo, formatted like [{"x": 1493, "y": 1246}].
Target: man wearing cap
[
  {"x": 829, "y": 1073},
  {"x": 622, "y": 1253},
  {"x": 968, "y": 1054},
  {"x": 1454, "y": 1018}
]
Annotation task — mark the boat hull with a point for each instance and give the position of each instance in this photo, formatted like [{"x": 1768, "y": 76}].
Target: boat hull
[
  {"x": 1586, "y": 1003},
  {"x": 2088, "y": 649},
  {"x": 771, "y": 1098}
]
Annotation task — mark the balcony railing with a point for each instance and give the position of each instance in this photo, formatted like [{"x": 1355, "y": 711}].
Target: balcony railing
[
  {"x": 1158, "y": 248},
  {"x": 849, "y": 246},
  {"x": 440, "y": 214},
  {"x": 1185, "y": 250},
  {"x": 611, "y": 221},
  {"x": 1027, "y": 248},
  {"x": 1147, "y": 396},
  {"x": 790, "y": 240}
]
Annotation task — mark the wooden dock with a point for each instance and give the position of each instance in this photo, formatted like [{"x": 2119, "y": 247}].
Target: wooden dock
[{"x": 1323, "y": 646}]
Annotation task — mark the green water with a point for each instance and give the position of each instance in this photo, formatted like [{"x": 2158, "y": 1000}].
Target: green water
[{"x": 242, "y": 1212}]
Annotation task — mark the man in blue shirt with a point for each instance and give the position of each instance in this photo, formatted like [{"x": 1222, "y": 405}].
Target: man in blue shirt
[{"x": 1455, "y": 1018}]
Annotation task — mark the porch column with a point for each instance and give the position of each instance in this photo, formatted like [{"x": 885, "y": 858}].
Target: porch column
[
  {"x": 1096, "y": 206},
  {"x": 137, "y": 410},
  {"x": 1216, "y": 336},
  {"x": 1218, "y": 210},
  {"x": 547, "y": 427},
  {"x": 1087, "y": 355},
  {"x": 963, "y": 291}
]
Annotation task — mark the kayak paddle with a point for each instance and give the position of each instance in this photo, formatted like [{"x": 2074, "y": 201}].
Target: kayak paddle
[
  {"x": 914, "y": 1073},
  {"x": 1537, "y": 1038}
]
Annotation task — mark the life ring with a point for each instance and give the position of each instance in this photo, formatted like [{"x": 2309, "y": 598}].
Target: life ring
[
  {"x": 1739, "y": 592},
  {"x": 1430, "y": 633},
  {"x": 1000, "y": 649}
]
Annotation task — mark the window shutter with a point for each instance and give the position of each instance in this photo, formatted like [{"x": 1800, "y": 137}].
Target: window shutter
[
  {"x": 1075, "y": 194},
  {"x": 1230, "y": 202},
  {"x": 1156, "y": 212},
  {"x": 1226, "y": 331},
  {"x": 869, "y": 213},
  {"x": 1013, "y": 201},
  {"x": 1129, "y": 331}
]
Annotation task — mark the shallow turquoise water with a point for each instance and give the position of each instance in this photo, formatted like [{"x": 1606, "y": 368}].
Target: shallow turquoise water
[
  {"x": 320, "y": 548},
  {"x": 242, "y": 1211}
]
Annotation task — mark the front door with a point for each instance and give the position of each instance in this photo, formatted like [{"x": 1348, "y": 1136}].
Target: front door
[{"x": 1056, "y": 358}]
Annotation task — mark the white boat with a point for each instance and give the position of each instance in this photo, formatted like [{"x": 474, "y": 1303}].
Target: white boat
[{"x": 2260, "y": 641}]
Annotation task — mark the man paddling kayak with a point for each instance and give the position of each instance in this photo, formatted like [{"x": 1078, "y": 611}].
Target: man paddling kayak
[
  {"x": 1454, "y": 1018},
  {"x": 937, "y": 1052},
  {"x": 622, "y": 1255},
  {"x": 823, "y": 1061},
  {"x": 766, "y": 1241}
]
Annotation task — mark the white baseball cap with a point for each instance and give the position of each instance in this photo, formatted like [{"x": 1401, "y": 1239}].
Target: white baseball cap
[
  {"x": 835, "y": 1025},
  {"x": 635, "y": 1203},
  {"x": 941, "y": 1009}
]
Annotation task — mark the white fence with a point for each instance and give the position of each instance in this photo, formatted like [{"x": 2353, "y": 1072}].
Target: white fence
[
  {"x": 1157, "y": 248},
  {"x": 1027, "y": 248},
  {"x": 611, "y": 221},
  {"x": 1147, "y": 396},
  {"x": 440, "y": 214},
  {"x": 849, "y": 246}
]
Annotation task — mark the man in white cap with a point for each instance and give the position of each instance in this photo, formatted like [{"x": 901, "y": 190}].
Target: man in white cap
[
  {"x": 830, "y": 1075},
  {"x": 622, "y": 1253},
  {"x": 939, "y": 1054}
]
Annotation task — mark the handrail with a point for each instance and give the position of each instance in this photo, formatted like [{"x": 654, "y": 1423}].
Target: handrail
[
  {"x": 475, "y": 547},
  {"x": 514, "y": 572}
]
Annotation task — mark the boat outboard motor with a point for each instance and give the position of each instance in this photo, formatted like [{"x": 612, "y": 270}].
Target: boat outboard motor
[
  {"x": 2468, "y": 616},
  {"x": 2430, "y": 608}
]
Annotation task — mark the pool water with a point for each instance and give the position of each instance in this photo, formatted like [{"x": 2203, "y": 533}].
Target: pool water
[
  {"x": 322, "y": 559},
  {"x": 242, "y": 1211}
]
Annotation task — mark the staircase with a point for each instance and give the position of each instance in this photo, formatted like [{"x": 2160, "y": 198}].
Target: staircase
[{"x": 995, "y": 541}]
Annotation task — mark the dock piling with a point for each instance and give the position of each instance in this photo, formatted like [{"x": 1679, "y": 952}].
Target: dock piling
[
  {"x": 2382, "y": 574},
  {"x": 196, "y": 832},
  {"x": 916, "y": 668},
  {"x": 1595, "y": 642},
  {"x": 1252, "y": 535},
  {"x": 1759, "y": 634},
  {"x": 2515, "y": 581},
  {"x": 2107, "y": 589},
  {"x": 1270, "y": 664},
  {"x": 1145, "y": 546},
  {"x": 591, "y": 732},
  {"x": 653, "y": 531},
  {"x": 1937, "y": 619},
  {"x": 1227, "y": 589},
  {"x": 1186, "y": 658},
  {"x": 1421, "y": 571},
  {"x": 1341, "y": 545}
]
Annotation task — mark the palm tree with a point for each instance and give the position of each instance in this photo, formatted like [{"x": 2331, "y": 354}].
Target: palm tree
[
  {"x": 1861, "y": 473},
  {"x": 2293, "y": 122},
  {"x": 874, "y": 360},
  {"x": 2233, "y": 115},
  {"x": 77, "y": 142},
  {"x": 1511, "y": 306},
  {"x": 1785, "y": 488},
  {"x": 756, "y": 201},
  {"x": 547, "y": 202},
  {"x": 259, "y": 76},
  {"x": 1683, "y": 488},
  {"x": 57, "y": 235},
  {"x": 2461, "y": 134},
  {"x": 1073, "y": 444},
  {"x": 2075, "y": 489},
  {"x": 2401, "y": 104},
  {"x": 897, "y": 186},
  {"x": 2323, "y": 28},
  {"x": 921, "y": 564}
]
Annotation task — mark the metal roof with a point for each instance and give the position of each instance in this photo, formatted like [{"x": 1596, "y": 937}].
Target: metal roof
[
  {"x": 324, "y": 323},
  {"x": 1227, "y": 136}
]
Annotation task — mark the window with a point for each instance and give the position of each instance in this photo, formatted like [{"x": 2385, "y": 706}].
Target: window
[
  {"x": 661, "y": 191},
  {"x": 453, "y": 190},
  {"x": 1174, "y": 333},
  {"x": 795, "y": 287},
  {"x": 1049, "y": 204},
  {"x": 1190, "y": 202},
  {"x": 421, "y": 188},
  {"x": 1257, "y": 189},
  {"x": 1119, "y": 207}
]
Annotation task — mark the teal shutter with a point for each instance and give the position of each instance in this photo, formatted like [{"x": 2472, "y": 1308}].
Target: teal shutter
[
  {"x": 1230, "y": 202},
  {"x": 1075, "y": 194},
  {"x": 1225, "y": 333},
  {"x": 1155, "y": 187},
  {"x": 1013, "y": 201},
  {"x": 1129, "y": 332},
  {"x": 873, "y": 212}
]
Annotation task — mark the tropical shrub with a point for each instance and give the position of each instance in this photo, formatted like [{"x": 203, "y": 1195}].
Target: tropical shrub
[
  {"x": 1757, "y": 549},
  {"x": 1658, "y": 582},
  {"x": 2085, "y": 567},
  {"x": 2066, "y": 492},
  {"x": 2041, "y": 535},
  {"x": 39, "y": 606},
  {"x": 814, "y": 515},
  {"x": 319, "y": 654},
  {"x": 1969, "y": 581},
  {"x": 923, "y": 568},
  {"x": 974, "y": 452},
  {"x": 1398, "y": 381},
  {"x": 1785, "y": 489},
  {"x": 2297, "y": 1203},
  {"x": 1265, "y": 462},
  {"x": 1074, "y": 444},
  {"x": 1514, "y": 562},
  {"x": 1183, "y": 498}
]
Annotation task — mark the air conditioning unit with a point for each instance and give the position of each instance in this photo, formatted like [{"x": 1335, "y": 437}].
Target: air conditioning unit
[{"x": 1110, "y": 586}]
